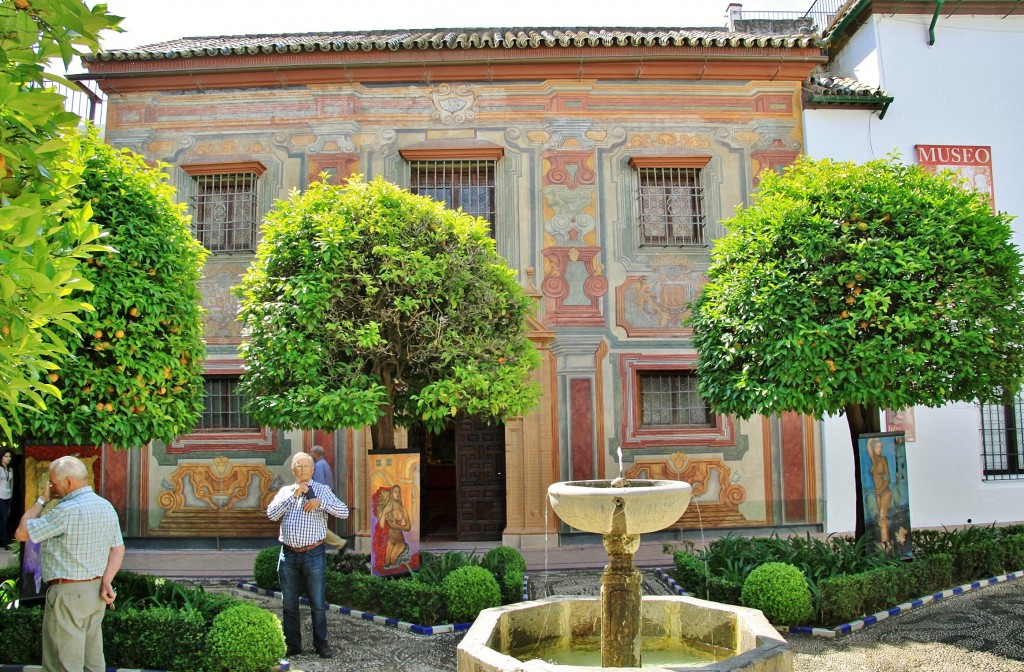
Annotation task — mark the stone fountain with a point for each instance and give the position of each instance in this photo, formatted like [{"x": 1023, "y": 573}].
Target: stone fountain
[{"x": 504, "y": 639}]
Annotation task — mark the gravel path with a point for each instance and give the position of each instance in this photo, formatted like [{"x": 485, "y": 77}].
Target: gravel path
[{"x": 980, "y": 631}]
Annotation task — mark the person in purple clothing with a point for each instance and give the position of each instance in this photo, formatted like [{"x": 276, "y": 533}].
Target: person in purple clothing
[{"x": 302, "y": 510}]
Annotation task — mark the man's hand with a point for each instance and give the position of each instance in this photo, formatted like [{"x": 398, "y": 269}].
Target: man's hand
[
  {"x": 47, "y": 494},
  {"x": 107, "y": 593},
  {"x": 300, "y": 489},
  {"x": 311, "y": 505}
]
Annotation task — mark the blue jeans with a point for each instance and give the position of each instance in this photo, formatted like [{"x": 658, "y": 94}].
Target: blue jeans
[{"x": 298, "y": 571}]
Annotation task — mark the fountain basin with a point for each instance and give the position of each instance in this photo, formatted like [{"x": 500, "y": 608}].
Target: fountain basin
[
  {"x": 648, "y": 505},
  {"x": 738, "y": 638}
]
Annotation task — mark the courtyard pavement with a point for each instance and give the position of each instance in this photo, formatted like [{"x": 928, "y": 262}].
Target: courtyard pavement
[{"x": 981, "y": 630}]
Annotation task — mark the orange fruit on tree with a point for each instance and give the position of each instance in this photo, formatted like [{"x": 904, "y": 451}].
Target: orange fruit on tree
[
  {"x": 108, "y": 407},
  {"x": 53, "y": 377}
]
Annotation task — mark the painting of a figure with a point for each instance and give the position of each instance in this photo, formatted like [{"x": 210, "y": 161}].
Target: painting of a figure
[
  {"x": 394, "y": 525},
  {"x": 883, "y": 465}
]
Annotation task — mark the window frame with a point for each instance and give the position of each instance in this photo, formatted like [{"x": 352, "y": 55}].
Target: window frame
[
  {"x": 667, "y": 169},
  {"x": 673, "y": 409},
  {"x": 236, "y": 403},
  {"x": 719, "y": 432},
  {"x": 221, "y": 174},
  {"x": 450, "y": 156},
  {"x": 1002, "y": 440}
]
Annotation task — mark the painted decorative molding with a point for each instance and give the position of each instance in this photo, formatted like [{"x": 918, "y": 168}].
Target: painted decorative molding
[
  {"x": 574, "y": 283},
  {"x": 717, "y": 492},
  {"x": 221, "y": 497},
  {"x": 568, "y": 168},
  {"x": 655, "y": 304},
  {"x": 568, "y": 133},
  {"x": 572, "y": 217},
  {"x": 453, "y": 104}
]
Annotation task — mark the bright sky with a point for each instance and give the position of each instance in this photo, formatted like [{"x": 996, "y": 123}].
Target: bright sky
[{"x": 150, "y": 21}]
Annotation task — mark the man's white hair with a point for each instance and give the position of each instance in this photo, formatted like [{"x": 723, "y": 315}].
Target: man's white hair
[{"x": 69, "y": 466}]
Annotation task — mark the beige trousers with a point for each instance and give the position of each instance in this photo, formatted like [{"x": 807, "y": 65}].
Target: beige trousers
[
  {"x": 334, "y": 540},
  {"x": 72, "y": 628}
]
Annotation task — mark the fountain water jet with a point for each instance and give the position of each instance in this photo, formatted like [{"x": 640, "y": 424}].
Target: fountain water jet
[{"x": 621, "y": 510}]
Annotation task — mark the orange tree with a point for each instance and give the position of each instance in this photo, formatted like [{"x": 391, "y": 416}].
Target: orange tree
[
  {"x": 368, "y": 305},
  {"x": 43, "y": 233},
  {"x": 135, "y": 375},
  {"x": 850, "y": 288}
]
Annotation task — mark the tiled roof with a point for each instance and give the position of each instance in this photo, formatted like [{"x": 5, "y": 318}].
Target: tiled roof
[
  {"x": 825, "y": 85},
  {"x": 454, "y": 39}
]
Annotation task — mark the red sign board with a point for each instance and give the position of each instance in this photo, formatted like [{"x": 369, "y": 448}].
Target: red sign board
[{"x": 973, "y": 162}]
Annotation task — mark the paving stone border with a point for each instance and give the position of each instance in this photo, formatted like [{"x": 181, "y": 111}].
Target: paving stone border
[{"x": 854, "y": 626}]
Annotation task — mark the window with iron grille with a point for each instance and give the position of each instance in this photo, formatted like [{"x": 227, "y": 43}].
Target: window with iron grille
[
  {"x": 670, "y": 206},
  {"x": 457, "y": 183},
  {"x": 1002, "y": 440},
  {"x": 225, "y": 211},
  {"x": 669, "y": 398},
  {"x": 222, "y": 407}
]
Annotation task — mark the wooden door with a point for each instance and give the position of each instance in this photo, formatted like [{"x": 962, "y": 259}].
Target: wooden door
[{"x": 480, "y": 468}]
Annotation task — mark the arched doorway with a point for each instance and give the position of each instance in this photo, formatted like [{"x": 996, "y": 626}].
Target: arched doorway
[{"x": 462, "y": 481}]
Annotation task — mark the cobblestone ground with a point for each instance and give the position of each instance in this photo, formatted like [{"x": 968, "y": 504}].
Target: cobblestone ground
[{"x": 980, "y": 631}]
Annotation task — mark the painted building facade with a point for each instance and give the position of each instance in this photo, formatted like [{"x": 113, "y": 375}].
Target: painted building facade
[
  {"x": 604, "y": 160},
  {"x": 930, "y": 79}
]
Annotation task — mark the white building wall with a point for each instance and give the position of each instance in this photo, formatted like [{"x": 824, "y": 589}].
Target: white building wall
[{"x": 960, "y": 91}]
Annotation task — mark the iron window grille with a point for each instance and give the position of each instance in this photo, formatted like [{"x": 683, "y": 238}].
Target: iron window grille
[
  {"x": 224, "y": 211},
  {"x": 671, "y": 399},
  {"x": 222, "y": 407},
  {"x": 1001, "y": 440},
  {"x": 670, "y": 205},
  {"x": 458, "y": 184}
]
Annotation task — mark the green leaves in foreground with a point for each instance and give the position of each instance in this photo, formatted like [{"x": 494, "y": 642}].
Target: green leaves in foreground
[
  {"x": 367, "y": 304},
  {"x": 878, "y": 284}
]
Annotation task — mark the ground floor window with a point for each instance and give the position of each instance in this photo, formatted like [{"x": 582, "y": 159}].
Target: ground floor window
[{"x": 1001, "y": 440}]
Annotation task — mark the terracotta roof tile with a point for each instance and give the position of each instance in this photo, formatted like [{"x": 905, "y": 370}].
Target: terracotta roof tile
[
  {"x": 825, "y": 84},
  {"x": 454, "y": 39}
]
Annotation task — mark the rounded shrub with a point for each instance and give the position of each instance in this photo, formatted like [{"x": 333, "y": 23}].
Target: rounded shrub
[
  {"x": 244, "y": 638},
  {"x": 780, "y": 591},
  {"x": 467, "y": 591},
  {"x": 509, "y": 568},
  {"x": 264, "y": 568}
]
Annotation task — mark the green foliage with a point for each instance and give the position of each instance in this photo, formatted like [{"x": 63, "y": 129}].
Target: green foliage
[
  {"x": 8, "y": 593},
  {"x": 350, "y": 563},
  {"x": 43, "y": 232},
  {"x": 467, "y": 591},
  {"x": 244, "y": 638},
  {"x": 411, "y": 601},
  {"x": 780, "y": 591},
  {"x": 22, "y": 636},
  {"x": 434, "y": 568},
  {"x": 508, "y": 567},
  {"x": 367, "y": 305},
  {"x": 138, "y": 638},
  {"x": 264, "y": 568},
  {"x": 875, "y": 285},
  {"x": 693, "y": 575},
  {"x": 137, "y": 374}
]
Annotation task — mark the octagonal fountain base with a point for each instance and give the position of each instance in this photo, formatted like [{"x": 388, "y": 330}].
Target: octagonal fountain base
[{"x": 707, "y": 635}]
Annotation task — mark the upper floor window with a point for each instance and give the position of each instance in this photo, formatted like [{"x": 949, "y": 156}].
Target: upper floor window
[
  {"x": 458, "y": 178},
  {"x": 222, "y": 406},
  {"x": 1002, "y": 440},
  {"x": 670, "y": 398},
  {"x": 225, "y": 205},
  {"x": 670, "y": 201}
]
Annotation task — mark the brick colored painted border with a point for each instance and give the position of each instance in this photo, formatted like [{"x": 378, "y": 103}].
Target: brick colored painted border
[{"x": 860, "y": 624}]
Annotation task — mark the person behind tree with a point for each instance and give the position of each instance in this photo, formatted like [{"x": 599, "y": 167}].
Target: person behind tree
[{"x": 322, "y": 474}]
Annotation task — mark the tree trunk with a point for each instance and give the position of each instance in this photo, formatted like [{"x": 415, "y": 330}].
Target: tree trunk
[
  {"x": 382, "y": 432},
  {"x": 862, "y": 419}
]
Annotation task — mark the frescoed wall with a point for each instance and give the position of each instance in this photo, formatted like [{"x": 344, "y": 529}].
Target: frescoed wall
[{"x": 609, "y": 306}]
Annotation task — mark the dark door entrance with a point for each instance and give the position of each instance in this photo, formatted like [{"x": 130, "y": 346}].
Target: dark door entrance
[
  {"x": 462, "y": 481},
  {"x": 480, "y": 459}
]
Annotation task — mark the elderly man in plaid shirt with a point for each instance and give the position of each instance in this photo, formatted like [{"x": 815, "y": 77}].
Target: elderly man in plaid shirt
[
  {"x": 302, "y": 509},
  {"x": 80, "y": 549}
]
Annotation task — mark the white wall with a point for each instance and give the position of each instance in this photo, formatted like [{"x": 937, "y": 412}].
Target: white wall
[{"x": 961, "y": 91}]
